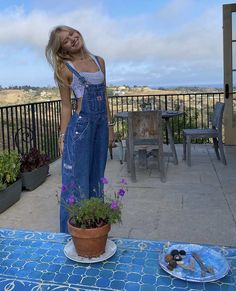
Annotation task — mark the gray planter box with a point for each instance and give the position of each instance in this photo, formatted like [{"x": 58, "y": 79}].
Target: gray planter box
[
  {"x": 31, "y": 180},
  {"x": 10, "y": 195}
]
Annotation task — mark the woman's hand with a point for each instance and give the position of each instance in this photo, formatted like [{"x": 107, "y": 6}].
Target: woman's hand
[
  {"x": 61, "y": 145},
  {"x": 111, "y": 135}
]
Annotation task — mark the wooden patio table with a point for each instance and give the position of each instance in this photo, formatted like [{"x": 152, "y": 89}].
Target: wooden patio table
[
  {"x": 31, "y": 260},
  {"x": 166, "y": 115}
]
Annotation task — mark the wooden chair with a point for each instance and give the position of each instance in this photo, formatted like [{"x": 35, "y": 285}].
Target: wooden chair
[
  {"x": 215, "y": 133},
  {"x": 144, "y": 129}
]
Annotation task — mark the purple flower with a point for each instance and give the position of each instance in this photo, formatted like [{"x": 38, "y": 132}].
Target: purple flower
[
  {"x": 123, "y": 181},
  {"x": 71, "y": 200},
  {"x": 114, "y": 204},
  {"x": 104, "y": 180},
  {"x": 121, "y": 192},
  {"x": 63, "y": 188}
]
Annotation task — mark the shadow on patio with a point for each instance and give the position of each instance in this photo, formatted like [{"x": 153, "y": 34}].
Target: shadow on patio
[{"x": 196, "y": 204}]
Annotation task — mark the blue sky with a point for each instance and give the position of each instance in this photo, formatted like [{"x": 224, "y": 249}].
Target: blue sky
[{"x": 144, "y": 42}]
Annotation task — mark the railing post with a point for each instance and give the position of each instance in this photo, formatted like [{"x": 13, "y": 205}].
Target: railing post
[
  {"x": 33, "y": 124},
  {"x": 166, "y": 108}
]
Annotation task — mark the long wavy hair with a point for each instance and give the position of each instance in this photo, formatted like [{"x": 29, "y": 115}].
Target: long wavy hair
[{"x": 54, "y": 54}]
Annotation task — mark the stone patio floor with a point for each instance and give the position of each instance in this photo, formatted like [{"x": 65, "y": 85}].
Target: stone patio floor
[{"x": 196, "y": 204}]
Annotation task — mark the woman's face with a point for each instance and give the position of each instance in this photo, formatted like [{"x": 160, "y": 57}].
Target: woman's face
[{"x": 71, "y": 41}]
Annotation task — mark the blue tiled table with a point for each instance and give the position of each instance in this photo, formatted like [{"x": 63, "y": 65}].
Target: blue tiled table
[{"x": 35, "y": 261}]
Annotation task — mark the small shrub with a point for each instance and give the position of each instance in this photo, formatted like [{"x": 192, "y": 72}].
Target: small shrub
[
  {"x": 9, "y": 168},
  {"x": 33, "y": 160}
]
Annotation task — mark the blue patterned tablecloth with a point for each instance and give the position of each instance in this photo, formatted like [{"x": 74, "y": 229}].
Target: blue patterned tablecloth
[{"x": 36, "y": 261}]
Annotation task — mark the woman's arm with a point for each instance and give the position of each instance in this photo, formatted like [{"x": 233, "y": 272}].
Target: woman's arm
[
  {"x": 66, "y": 107},
  {"x": 110, "y": 124}
]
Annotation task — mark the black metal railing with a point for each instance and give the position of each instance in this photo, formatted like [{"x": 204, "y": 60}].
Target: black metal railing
[
  {"x": 37, "y": 124},
  {"x": 197, "y": 108},
  {"x": 31, "y": 125}
]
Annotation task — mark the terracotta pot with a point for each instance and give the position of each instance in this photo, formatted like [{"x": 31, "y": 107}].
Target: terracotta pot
[{"x": 91, "y": 242}]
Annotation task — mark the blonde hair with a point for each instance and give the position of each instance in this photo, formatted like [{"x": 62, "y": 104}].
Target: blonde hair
[{"x": 54, "y": 54}]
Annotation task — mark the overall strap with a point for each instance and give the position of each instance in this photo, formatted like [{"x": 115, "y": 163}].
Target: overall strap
[
  {"x": 97, "y": 61},
  {"x": 73, "y": 71}
]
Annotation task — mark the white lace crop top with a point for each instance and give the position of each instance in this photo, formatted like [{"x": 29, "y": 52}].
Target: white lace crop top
[{"x": 91, "y": 77}]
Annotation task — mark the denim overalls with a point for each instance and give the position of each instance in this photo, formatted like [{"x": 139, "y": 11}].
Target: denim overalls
[{"x": 85, "y": 148}]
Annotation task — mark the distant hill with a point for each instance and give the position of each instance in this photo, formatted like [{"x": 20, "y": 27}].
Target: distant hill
[
  {"x": 30, "y": 94},
  {"x": 19, "y": 96}
]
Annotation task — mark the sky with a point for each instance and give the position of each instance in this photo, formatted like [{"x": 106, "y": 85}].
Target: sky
[{"x": 157, "y": 43}]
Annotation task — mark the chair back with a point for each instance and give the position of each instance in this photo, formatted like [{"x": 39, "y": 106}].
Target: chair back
[
  {"x": 145, "y": 127},
  {"x": 218, "y": 116}
]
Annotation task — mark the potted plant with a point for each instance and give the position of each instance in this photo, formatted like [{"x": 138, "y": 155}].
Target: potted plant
[
  {"x": 118, "y": 142},
  {"x": 146, "y": 106},
  {"x": 34, "y": 169},
  {"x": 10, "y": 182},
  {"x": 90, "y": 220}
]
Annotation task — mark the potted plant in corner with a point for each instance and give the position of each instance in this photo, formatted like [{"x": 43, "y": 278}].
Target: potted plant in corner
[
  {"x": 90, "y": 220},
  {"x": 119, "y": 143},
  {"x": 34, "y": 169},
  {"x": 10, "y": 181}
]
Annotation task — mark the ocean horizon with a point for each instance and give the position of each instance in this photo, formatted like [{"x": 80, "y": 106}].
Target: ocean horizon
[{"x": 212, "y": 85}]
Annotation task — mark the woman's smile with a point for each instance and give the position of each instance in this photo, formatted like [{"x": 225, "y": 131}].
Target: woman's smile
[{"x": 75, "y": 42}]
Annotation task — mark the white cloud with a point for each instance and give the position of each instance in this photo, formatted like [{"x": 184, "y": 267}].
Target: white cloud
[
  {"x": 133, "y": 45},
  {"x": 175, "y": 9}
]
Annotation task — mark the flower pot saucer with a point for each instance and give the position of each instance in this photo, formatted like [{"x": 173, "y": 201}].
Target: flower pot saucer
[{"x": 70, "y": 252}]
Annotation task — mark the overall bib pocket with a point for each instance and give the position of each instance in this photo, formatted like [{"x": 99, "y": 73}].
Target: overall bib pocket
[
  {"x": 96, "y": 99},
  {"x": 97, "y": 104}
]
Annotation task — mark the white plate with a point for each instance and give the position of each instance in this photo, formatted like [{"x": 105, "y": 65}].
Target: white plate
[
  {"x": 70, "y": 252},
  {"x": 208, "y": 255}
]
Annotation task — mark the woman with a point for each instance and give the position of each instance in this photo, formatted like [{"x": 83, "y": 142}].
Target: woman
[{"x": 84, "y": 135}]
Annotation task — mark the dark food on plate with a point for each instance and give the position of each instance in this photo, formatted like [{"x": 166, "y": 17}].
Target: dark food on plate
[
  {"x": 174, "y": 257},
  {"x": 177, "y": 258},
  {"x": 168, "y": 258},
  {"x": 174, "y": 252},
  {"x": 173, "y": 263},
  {"x": 182, "y": 253}
]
